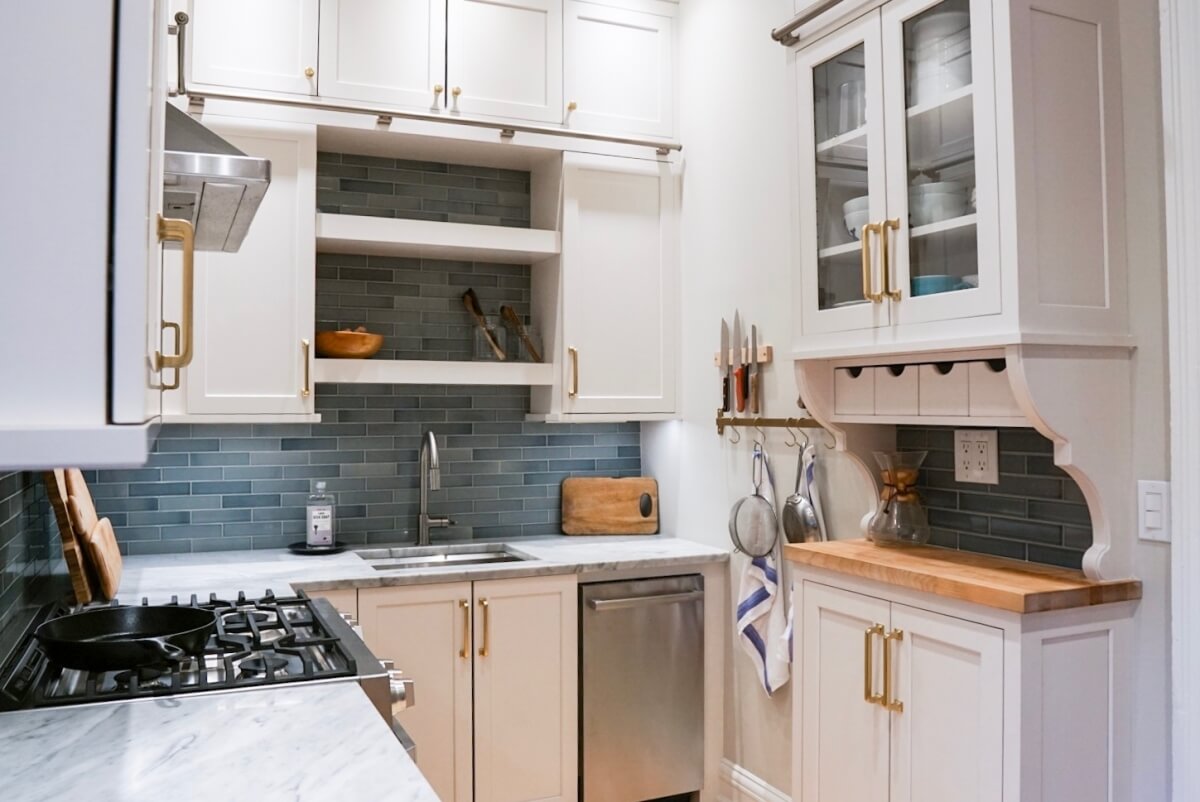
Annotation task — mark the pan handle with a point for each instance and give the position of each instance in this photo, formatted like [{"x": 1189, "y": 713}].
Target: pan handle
[{"x": 168, "y": 651}]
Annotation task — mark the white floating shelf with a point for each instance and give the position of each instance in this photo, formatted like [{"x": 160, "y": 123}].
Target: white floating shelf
[
  {"x": 382, "y": 236},
  {"x": 420, "y": 371},
  {"x": 953, "y": 224}
]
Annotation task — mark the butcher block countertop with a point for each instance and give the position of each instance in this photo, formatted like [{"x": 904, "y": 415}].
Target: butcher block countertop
[{"x": 1004, "y": 584}]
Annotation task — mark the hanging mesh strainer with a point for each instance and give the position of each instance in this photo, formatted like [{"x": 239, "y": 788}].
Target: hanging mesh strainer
[{"x": 752, "y": 522}]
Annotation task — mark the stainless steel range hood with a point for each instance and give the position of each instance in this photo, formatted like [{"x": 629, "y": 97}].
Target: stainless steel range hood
[{"x": 211, "y": 183}]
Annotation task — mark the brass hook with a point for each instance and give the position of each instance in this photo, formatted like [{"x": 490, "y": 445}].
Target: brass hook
[
  {"x": 734, "y": 431},
  {"x": 762, "y": 436},
  {"x": 795, "y": 441}
]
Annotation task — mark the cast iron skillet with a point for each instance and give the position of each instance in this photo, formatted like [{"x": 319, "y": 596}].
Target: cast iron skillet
[{"x": 119, "y": 638}]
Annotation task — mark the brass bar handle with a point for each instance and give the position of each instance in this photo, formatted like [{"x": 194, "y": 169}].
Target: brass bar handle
[
  {"x": 885, "y": 242},
  {"x": 180, "y": 31},
  {"x": 892, "y": 704},
  {"x": 867, "y": 266},
  {"x": 465, "y": 651},
  {"x": 869, "y": 695},
  {"x": 307, "y": 389},
  {"x": 574, "y": 391},
  {"x": 171, "y": 230},
  {"x": 483, "y": 650},
  {"x": 174, "y": 385}
]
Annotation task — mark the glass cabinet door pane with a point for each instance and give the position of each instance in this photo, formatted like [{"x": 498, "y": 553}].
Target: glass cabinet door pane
[
  {"x": 939, "y": 105},
  {"x": 840, "y": 123}
]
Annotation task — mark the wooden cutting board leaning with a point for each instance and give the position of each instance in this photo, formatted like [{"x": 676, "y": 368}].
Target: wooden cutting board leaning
[{"x": 608, "y": 506}]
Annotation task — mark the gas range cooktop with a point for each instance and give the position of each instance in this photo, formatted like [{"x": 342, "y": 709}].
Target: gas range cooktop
[{"x": 257, "y": 642}]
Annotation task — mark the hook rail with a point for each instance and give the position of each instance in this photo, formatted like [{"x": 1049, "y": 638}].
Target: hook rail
[{"x": 728, "y": 421}]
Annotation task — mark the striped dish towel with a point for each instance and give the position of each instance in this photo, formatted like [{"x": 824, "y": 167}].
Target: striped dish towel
[{"x": 761, "y": 613}]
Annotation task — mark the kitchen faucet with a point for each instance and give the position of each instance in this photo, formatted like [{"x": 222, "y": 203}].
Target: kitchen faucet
[{"x": 431, "y": 479}]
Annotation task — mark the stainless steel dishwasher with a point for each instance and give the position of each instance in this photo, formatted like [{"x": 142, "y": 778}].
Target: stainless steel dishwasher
[{"x": 641, "y": 672}]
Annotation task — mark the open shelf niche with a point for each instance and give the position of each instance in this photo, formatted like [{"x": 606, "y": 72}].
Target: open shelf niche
[
  {"x": 1068, "y": 394},
  {"x": 399, "y": 239}
]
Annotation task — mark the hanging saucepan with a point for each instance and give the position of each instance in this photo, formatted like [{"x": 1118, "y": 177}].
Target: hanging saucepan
[{"x": 121, "y": 638}]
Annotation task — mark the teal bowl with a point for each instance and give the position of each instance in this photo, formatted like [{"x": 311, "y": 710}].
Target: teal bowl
[{"x": 932, "y": 285}]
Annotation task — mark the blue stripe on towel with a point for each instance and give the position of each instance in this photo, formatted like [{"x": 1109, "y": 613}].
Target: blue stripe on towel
[
  {"x": 753, "y": 600},
  {"x": 768, "y": 571},
  {"x": 761, "y": 648}
]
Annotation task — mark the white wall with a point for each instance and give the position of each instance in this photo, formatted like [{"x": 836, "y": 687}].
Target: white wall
[{"x": 737, "y": 252}]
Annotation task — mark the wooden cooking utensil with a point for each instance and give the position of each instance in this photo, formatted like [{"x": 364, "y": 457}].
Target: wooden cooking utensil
[
  {"x": 471, "y": 302},
  {"x": 511, "y": 318},
  {"x": 76, "y": 560},
  {"x": 607, "y": 506},
  {"x": 105, "y": 555}
]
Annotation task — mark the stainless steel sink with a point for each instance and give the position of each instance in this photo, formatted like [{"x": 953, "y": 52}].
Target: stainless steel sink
[{"x": 411, "y": 558}]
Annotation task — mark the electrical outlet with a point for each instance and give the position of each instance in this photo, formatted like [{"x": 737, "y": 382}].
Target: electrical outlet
[{"x": 976, "y": 456}]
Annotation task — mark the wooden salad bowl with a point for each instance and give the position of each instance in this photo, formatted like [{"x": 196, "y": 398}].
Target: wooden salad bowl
[{"x": 348, "y": 344}]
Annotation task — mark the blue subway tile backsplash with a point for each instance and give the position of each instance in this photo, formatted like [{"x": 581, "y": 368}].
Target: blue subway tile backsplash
[
  {"x": 248, "y": 487},
  {"x": 1037, "y": 512},
  {"x": 26, "y": 556}
]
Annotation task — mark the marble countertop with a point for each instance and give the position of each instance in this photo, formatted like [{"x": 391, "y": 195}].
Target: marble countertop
[
  {"x": 309, "y": 742},
  {"x": 159, "y": 577}
]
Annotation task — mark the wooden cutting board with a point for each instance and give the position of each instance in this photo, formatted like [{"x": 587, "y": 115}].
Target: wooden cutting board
[
  {"x": 606, "y": 506},
  {"x": 105, "y": 557},
  {"x": 56, "y": 489}
]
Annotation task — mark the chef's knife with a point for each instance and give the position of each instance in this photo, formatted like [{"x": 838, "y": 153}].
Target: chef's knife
[
  {"x": 739, "y": 368},
  {"x": 754, "y": 386},
  {"x": 724, "y": 366}
]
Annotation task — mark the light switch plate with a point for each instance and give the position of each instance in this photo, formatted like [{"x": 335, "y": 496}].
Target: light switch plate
[
  {"x": 1154, "y": 511},
  {"x": 976, "y": 456}
]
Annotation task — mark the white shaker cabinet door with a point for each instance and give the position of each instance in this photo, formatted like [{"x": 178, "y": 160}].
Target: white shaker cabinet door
[
  {"x": 948, "y": 740},
  {"x": 505, "y": 59},
  {"x": 384, "y": 51},
  {"x": 620, "y": 280},
  {"x": 619, "y": 70},
  {"x": 843, "y": 734},
  {"x": 253, "y": 309},
  {"x": 526, "y": 698},
  {"x": 269, "y": 45},
  {"x": 426, "y": 630}
]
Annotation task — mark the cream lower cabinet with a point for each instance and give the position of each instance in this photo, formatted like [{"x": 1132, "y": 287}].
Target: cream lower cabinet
[
  {"x": 905, "y": 697},
  {"x": 253, "y": 310},
  {"x": 495, "y": 668}
]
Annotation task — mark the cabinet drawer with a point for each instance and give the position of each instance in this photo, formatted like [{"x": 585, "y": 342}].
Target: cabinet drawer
[
  {"x": 896, "y": 390},
  {"x": 990, "y": 393},
  {"x": 944, "y": 389},
  {"x": 854, "y": 391}
]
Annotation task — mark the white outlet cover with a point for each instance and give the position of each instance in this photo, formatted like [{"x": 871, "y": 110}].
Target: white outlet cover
[{"x": 977, "y": 456}]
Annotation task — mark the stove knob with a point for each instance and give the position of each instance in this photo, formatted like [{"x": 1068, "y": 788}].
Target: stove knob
[{"x": 404, "y": 691}]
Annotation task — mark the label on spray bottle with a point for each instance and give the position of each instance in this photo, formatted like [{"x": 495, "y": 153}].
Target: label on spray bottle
[{"x": 320, "y": 525}]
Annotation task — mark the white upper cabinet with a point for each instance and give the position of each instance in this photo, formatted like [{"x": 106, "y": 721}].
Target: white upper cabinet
[
  {"x": 384, "y": 51},
  {"x": 960, "y": 178},
  {"x": 267, "y": 45},
  {"x": 504, "y": 59},
  {"x": 619, "y": 68},
  {"x": 254, "y": 309},
  {"x": 620, "y": 280}
]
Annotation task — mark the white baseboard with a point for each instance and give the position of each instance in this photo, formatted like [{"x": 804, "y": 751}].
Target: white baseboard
[{"x": 739, "y": 785}]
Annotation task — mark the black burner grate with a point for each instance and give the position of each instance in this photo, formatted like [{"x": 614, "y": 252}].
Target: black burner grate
[{"x": 261, "y": 641}]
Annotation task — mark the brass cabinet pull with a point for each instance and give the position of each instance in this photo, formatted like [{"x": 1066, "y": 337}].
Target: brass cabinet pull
[
  {"x": 867, "y": 277},
  {"x": 483, "y": 650},
  {"x": 572, "y": 106},
  {"x": 574, "y": 390},
  {"x": 306, "y": 391},
  {"x": 892, "y": 704},
  {"x": 180, "y": 231},
  {"x": 885, "y": 242},
  {"x": 174, "y": 385},
  {"x": 456, "y": 91},
  {"x": 869, "y": 694},
  {"x": 437, "y": 92},
  {"x": 465, "y": 651},
  {"x": 309, "y": 72}
]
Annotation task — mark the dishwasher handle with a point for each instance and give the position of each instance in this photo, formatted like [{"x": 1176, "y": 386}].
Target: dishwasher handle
[{"x": 600, "y": 605}]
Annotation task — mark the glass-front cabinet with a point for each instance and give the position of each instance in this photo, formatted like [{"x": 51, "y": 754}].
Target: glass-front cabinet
[{"x": 899, "y": 219}]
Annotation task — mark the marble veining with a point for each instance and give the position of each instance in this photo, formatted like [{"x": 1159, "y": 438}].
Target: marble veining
[
  {"x": 157, "y": 578},
  {"x": 312, "y": 742}
]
